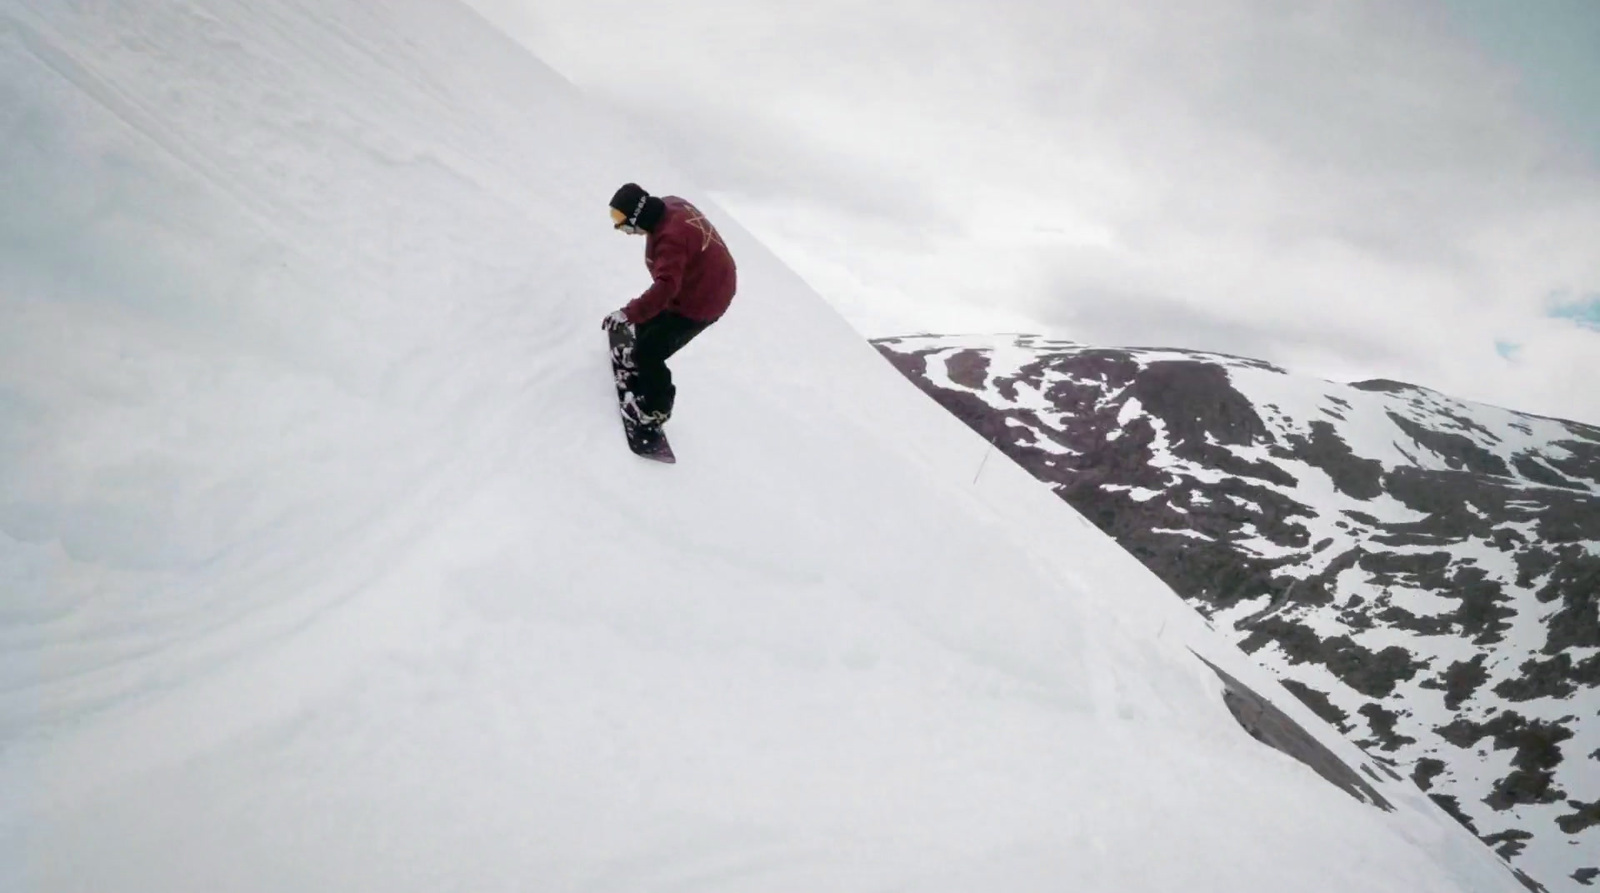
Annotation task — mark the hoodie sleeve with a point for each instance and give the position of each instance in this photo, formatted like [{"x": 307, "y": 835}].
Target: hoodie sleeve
[{"x": 670, "y": 259}]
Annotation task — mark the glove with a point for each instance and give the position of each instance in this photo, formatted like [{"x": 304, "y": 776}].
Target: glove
[{"x": 614, "y": 319}]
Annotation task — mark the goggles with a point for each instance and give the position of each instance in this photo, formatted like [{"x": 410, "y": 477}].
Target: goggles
[{"x": 619, "y": 221}]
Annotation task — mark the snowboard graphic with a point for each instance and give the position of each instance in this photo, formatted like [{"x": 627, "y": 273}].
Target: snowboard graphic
[{"x": 645, "y": 440}]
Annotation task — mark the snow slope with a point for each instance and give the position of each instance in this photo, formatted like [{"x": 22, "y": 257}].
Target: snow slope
[{"x": 325, "y": 567}]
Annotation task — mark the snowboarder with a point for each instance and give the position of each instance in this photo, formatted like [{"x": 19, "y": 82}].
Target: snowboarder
[{"x": 694, "y": 282}]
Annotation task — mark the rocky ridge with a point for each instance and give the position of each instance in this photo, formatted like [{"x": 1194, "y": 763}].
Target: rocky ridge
[{"x": 1422, "y": 571}]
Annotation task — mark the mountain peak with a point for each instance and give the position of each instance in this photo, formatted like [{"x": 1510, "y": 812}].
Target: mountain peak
[{"x": 1421, "y": 571}]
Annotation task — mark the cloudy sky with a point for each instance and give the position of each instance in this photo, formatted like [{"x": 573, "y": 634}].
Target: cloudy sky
[{"x": 1405, "y": 189}]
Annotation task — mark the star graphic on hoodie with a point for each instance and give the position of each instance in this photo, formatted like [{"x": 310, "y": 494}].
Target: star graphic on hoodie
[{"x": 708, "y": 232}]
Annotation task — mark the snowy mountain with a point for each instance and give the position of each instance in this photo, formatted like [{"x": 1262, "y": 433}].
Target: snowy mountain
[
  {"x": 1421, "y": 571},
  {"x": 325, "y": 566}
]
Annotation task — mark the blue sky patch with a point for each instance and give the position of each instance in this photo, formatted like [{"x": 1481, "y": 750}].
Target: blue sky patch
[
  {"x": 1551, "y": 46},
  {"x": 1507, "y": 349},
  {"x": 1584, "y": 311}
]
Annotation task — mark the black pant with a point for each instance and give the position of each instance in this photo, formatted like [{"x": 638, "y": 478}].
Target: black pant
[{"x": 654, "y": 340}]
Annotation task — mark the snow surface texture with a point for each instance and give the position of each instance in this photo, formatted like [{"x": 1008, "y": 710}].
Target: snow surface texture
[
  {"x": 326, "y": 568},
  {"x": 1423, "y": 571}
]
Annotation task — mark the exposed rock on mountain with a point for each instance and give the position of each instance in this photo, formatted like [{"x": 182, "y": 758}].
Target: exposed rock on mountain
[{"x": 1423, "y": 572}]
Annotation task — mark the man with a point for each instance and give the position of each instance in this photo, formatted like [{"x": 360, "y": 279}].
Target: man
[{"x": 694, "y": 281}]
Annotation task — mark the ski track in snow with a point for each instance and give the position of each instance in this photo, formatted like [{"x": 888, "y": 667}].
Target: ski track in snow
[{"x": 326, "y": 567}]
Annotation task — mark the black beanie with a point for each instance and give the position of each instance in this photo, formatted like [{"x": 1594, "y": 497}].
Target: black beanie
[{"x": 641, "y": 208}]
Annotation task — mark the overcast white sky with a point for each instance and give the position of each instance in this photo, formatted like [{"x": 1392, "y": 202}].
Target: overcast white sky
[{"x": 1352, "y": 189}]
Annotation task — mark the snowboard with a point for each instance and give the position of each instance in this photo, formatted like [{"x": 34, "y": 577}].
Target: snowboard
[{"x": 647, "y": 441}]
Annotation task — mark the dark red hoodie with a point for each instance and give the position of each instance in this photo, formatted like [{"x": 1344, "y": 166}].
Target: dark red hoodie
[{"x": 693, "y": 271}]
